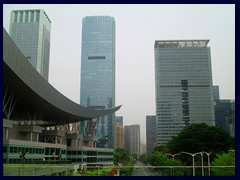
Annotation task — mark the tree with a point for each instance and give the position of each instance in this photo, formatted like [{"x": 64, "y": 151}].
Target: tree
[
  {"x": 159, "y": 148},
  {"x": 201, "y": 137},
  {"x": 157, "y": 159},
  {"x": 144, "y": 158},
  {"x": 224, "y": 159},
  {"x": 121, "y": 156}
]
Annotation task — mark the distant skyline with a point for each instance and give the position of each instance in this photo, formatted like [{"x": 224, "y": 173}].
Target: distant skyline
[{"x": 137, "y": 28}]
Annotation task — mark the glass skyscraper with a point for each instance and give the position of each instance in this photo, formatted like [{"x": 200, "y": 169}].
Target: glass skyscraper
[
  {"x": 30, "y": 30},
  {"x": 183, "y": 83},
  {"x": 150, "y": 133},
  {"x": 98, "y": 73}
]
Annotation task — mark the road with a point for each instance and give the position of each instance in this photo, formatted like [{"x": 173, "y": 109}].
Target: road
[{"x": 142, "y": 170}]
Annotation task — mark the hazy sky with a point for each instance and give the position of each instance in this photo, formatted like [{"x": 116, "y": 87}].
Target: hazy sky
[{"x": 137, "y": 28}]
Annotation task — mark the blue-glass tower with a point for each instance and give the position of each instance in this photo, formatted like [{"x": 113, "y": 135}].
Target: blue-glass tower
[{"x": 98, "y": 73}]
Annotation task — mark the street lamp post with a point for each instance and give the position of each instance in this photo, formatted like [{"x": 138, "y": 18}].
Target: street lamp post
[
  {"x": 173, "y": 158},
  {"x": 202, "y": 163},
  {"x": 192, "y": 159},
  {"x": 173, "y": 155},
  {"x": 208, "y": 154}
]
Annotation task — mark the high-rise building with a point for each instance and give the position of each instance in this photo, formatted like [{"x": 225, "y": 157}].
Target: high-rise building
[
  {"x": 98, "y": 72},
  {"x": 183, "y": 82},
  {"x": 119, "y": 120},
  {"x": 132, "y": 139},
  {"x": 127, "y": 138},
  {"x": 222, "y": 108},
  {"x": 119, "y": 135},
  {"x": 135, "y": 139},
  {"x": 230, "y": 118},
  {"x": 119, "y": 143},
  {"x": 30, "y": 30},
  {"x": 216, "y": 93},
  {"x": 143, "y": 149},
  {"x": 150, "y": 133}
]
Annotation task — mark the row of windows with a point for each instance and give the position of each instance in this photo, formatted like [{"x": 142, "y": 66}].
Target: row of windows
[
  {"x": 76, "y": 152},
  {"x": 177, "y": 58},
  {"x": 105, "y": 153},
  {"x": 104, "y": 159},
  {"x": 89, "y": 153},
  {"x": 77, "y": 159},
  {"x": 57, "y": 151},
  {"x": 181, "y": 50},
  {"x": 13, "y": 160},
  {"x": 50, "y": 150},
  {"x": 26, "y": 16},
  {"x": 23, "y": 149}
]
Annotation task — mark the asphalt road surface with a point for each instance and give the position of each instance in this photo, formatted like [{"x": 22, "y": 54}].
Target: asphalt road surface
[{"x": 142, "y": 170}]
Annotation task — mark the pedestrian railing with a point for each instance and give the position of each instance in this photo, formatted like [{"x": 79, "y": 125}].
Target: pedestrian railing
[{"x": 38, "y": 170}]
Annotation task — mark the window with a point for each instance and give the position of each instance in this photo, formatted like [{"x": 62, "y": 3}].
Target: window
[
  {"x": 26, "y": 16},
  {"x": 4, "y": 149},
  {"x": 11, "y": 149},
  {"x": 21, "y": 17},
  {"x": 37, "y": 17},
  {"x": 15, "y": 17},
  {"x": 96, "y": 57},
  {"x": 31, "y": 16}
]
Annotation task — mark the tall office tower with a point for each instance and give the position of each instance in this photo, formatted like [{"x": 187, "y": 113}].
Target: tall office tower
[
  {"x": 216, "y": 93},
  {"x": 230, "y": 118},
  {"x": 183, "y": 83},
  {"x": 132, "y": 139},
  {"x": 143, "y": 148},
  {"x": 222, "y": 109},
  {"x": 119, "y": 120},
  {"x": 151, "y": 133},
  {"x": 119, "y": 141},
  {"x": 119, "y": 136},
  {"x": 135, "y": 147},
  {"x": 30, "y": 30},
  {"x": 98, "y": 72},
  {"x": 127, "y": 138}
]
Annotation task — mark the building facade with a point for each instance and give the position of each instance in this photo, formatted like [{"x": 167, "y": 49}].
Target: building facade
[
  {"x": 224, "y": 111},
  {"x": 30, "y": 30},
  {"x": 135, "y": 147},
  {"x": 132, "y": 139},
  {"x": 222, "y": 108},
  {"x": 119, "y": 120},
  {"x": 143, "y": 148},
  {"x": 230, "y": 118},
  {"x": 119, "y": 141},
  {"x": 127, "y": 138},
  {"x": 216, "y": 95},
  {"x": 183, "y": 82},
  {"x": 150, "y": 133},
  {"x": 119, "y": 133},
  {"x": 44, "y": 127},
  {"x": 98, "y": 72}
]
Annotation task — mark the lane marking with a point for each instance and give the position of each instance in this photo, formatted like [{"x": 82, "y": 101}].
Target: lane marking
[{"x": 144, "y": 172}]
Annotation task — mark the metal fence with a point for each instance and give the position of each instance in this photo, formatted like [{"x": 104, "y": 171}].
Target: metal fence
[
  {"x": 65, "y": 170},
  {"x": 39, "y": 170},
  {"x": 191, "y": 170}
]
